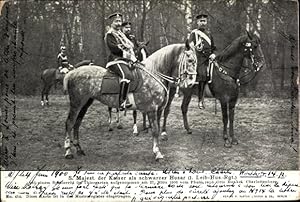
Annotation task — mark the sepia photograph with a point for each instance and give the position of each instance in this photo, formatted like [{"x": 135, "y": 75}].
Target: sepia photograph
[{"x": 149, "y": 85}]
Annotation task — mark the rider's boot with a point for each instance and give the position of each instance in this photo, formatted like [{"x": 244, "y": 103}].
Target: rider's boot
[{"x": 124, "y": 88}]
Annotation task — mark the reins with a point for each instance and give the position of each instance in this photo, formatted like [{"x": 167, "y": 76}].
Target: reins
[
  {"x": 182, "y": 69},
  {"x": 240, "y": 80}
]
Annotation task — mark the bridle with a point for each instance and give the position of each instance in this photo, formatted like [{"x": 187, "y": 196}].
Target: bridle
[
  {"x": 183, "y": 70},
  {"x": 248, "y": 54}
]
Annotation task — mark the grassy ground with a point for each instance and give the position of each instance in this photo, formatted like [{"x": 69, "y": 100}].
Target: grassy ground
[{"x": 262, "y": 126}]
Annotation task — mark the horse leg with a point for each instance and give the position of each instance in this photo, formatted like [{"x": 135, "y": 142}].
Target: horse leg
[
  {"x": 119, "y": 125},
  {"x": 135, "y": 129},
  {"x": 145, "y": 128},
  {"x": 159, "y": 113},
  {"x": 234, "y": 141},
  {"x": 184, "y": 108},
  {"x": 155, "y": 133},
  {"x": 109, "y": 119},
  {"x": 72, "y": 117},
  {"x": 145, "y": 118},
  {"x": 47, "y": 94},
  {"x": 225, "y": 123},
  {"x": 43, "y": 93},
  {"x": 77, "y": 125},
  {"x": 166, "y": 113}
]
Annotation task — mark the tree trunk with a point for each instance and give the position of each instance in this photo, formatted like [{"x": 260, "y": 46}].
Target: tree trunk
[{"x": 144, "y": 15}]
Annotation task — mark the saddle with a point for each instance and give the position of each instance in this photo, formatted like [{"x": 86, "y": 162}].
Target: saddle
[{"x": 111, "y": 81}]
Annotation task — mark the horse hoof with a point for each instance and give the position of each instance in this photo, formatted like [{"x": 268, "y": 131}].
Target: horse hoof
[
  {"x": 69, "y": 156},
  {"x": 135, "y": 130},
  {"x": 110, "y": 129},
  {"x": 42, "y": 103},
  {"x": 189, "y": 131},
  {"x": 119, "y": 127},
  {"x": 227, "y": 144},
  {"x": 234, "y": 141},
  {"x": 164, "y": 136},
  {"x": 80, "y": 153},
  {"x": 158, "y": 156}
]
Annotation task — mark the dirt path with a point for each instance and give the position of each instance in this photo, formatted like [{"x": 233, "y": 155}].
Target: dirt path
[{"x": 263, "y": 128}]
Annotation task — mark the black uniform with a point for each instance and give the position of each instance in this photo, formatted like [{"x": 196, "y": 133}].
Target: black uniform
[
  {"x": 202, "y": 55},
  {"x": 116, "y": 52}
]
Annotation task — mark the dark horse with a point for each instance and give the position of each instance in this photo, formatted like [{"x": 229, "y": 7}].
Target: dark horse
[
  {"x": 51, "y": 77},
  {"x": 227, "y": 75},
  {"x": 84, "y": 85}
]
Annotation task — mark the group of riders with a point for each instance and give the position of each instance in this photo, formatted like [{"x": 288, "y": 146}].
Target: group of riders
[{"x": 122, "y": 45}]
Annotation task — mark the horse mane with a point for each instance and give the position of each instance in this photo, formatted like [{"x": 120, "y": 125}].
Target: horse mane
[
  {"x": 163, "y": 58},
  {"x": 231, "y": 49}
]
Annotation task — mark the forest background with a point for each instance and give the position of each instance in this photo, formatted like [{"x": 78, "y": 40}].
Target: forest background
[{"x": 42, "y": 26}]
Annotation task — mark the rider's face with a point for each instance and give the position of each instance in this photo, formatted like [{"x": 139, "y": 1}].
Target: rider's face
[
  {"x": 127, "y": 29},
  {"x": 116, "y": 23},
  {"x": 202, "y": 22}
]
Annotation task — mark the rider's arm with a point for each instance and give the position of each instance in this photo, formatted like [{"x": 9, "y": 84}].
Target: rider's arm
[
  {"x": 213, "y": 47},
  {"x": 113, "y": 45},
  {"x": 58, "y": 60}
]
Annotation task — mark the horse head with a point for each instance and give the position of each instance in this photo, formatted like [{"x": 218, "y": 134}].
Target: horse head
[{"x": 253, "y": 52}]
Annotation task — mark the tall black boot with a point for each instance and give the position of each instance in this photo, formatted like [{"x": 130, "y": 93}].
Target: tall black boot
[
  {"x": 201, "y": 95},
  {"x": 124, "y": 88}
]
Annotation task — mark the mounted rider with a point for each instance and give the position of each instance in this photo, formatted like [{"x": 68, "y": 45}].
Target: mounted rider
[
  {"x": 127, "y": 30},
  {"x": 139, "y": 47},
  {"x": 203, "y": 42},
  {"x": 62, "y": 61},
  {"x": 120, "y": 48}
]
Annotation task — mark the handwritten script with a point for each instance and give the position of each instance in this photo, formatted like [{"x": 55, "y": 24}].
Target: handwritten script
[{"x": 166, "y": 185}]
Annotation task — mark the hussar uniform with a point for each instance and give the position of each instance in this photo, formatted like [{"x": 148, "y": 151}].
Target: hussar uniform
[
  {"x": 120, "y": 48},
  {"x": 203, "y": 42},
  {"x": 204, "y": 45},
  {"x": 136, "y": 45}
]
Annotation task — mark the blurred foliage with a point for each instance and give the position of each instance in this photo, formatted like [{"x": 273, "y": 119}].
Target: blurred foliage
[{"x": 44, "y": 25}]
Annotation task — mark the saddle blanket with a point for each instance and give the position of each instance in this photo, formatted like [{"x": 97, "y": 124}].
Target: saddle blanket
[{"x": 111, "y": 82}]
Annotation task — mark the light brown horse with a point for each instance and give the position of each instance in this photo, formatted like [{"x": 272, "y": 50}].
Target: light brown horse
[{"x": 84, "y": 86}]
